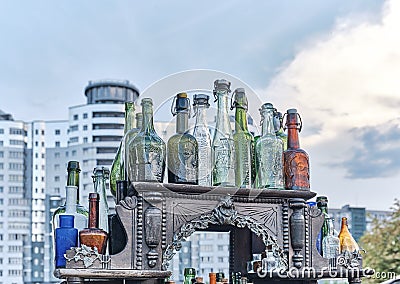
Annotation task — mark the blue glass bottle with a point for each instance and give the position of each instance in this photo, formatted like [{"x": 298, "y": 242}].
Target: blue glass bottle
[{"x": 66, "y": 237}]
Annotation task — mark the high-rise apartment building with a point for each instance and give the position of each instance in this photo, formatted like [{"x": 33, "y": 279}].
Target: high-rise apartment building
[{"x": 15, "y": 201}]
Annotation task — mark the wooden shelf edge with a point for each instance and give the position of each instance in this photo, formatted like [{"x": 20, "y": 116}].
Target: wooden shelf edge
[{"x": 111, "y": 273}]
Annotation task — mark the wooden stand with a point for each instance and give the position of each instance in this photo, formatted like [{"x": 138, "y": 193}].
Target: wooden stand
[{"x": 158, "y": 217}]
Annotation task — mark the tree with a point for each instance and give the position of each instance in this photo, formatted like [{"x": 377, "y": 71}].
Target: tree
[{"x": 382, "y": 245}]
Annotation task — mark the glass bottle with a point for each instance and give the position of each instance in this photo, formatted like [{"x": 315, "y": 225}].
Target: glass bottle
[
  {"x": 202, "y": 134},
  {"x": 296, "y": 161},
  {"x": 189, "y": 274},
  {"x": 220, "y": 277},
  {"x": 243, "y": 140},
  {"x": 182, "y": 148},
  {"x": 66, "y": 237},
  {"x": 278, "y": 126},
  {"x": 128, "y": 137},
  {"x": 347, "y": 242},
  {"x": 223, "y": 151},
  {"x": 80, "y": 220},
  {"x": 147, "y": 151},
  {"x": 322, "y": 204},
  {"x": 73, "y": 170},
  {"x": 330, "y": 245},
  {"x": 100, "y": 175},
  {"x": 269, "y": 153},
  {"x": 212, "y": 278},
  {"x": 117, "y": 237},
  {"x": 270, "y": 262},
  {"x": 93, "y": 236},
  {"x": 118, "y": 167}
]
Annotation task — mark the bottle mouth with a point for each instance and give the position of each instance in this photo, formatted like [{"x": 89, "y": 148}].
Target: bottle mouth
[{"x": 73, "y": 165}]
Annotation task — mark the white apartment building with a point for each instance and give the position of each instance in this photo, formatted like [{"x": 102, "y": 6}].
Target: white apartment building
[{"x": 15, "y": 202}]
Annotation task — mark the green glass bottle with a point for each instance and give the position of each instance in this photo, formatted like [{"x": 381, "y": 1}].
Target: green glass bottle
[
  {"x": 100, "y": 176},
  {"x": 223, "y": 151},
  {"x": 117, "y": 167},
  {"x": 128, "y": 137},
  {"x": 182, "y": 148},
  {"x": 243, "y": 140},
  {"x": 322, "y": 204},
  {"x": 189, "y": 274},
  {"x": 73, "y": 170},
  {"x": 269, "y": 153},
  {"x": 278, "y": 126},
  {"x": 147, "y": 151}
]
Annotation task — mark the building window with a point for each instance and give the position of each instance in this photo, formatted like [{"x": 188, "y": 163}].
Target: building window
[
  {"x": 36, "y": 131},
  {"x": 108, "y": 114},
  {"x": 57, "y": 132},
  {"x": 56, "y": 167},
  {"x": 57, "y": 155},
  {"x": 106, "y": 138},
  {"x": 1, "y": 166},
  {"x": 57, "y": 178},
  {"x": 15, "y": 154},
  {"x": 85, "y": 139},
  {"x": 74, "y": 127},
  {"x": 42, "y": 131},
  {"x": 106, "y": 150},
  {"x": 36, "y": 143},
  {"x": 1, "y": 177},
  {"x": 85, "y": 127},
  {"x": 74, "y": 139},
  {"x": 108, "y": 126},
  {"x": 85, "y": 115},
  {"x": 1, "y": 189},
  {"x": 1, "y": 154},
  {"x": 57, "y": 143},
  {"x": 16, "y": 142},
  {"x": 73, "y": 153},
  {"x": 75, "y": 117},
  {"x": 1, "y": 131}
]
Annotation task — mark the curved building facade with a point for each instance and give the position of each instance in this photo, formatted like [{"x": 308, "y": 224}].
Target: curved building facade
[{"x": 110, "y": 92}]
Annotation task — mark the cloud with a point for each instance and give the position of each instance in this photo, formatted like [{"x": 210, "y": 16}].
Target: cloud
[{"x": 345, "y": 84}]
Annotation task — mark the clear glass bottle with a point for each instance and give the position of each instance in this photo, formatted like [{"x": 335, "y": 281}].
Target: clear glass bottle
[
  {"x": 243, "y": 140},
  {"x": 347, "y": 242},
  {"x": 202, "y": 134},
  {"x": 182, "y": 148},
  {"x": 118, "y": 167},
  {"x": 128, "y": 138},
  {"x": 73, "y": 170},
  {"x": 223, "y": 151},
  {"x": 269, "y": 153},
  {"x": 147, "y": 151},
  {"x": 278, "y": 126},
  {"x": 322, "y": 204},
  {"x": 93, "y": 236},
  {"x": 189, "y": 274},
  {"x": 330, "y": 245},
  {"x": 296, "y": 160},
  {"x": 100, "y": 175},
  {"x": 269, "y": 263},
  {"x": 66, "y": 237}
]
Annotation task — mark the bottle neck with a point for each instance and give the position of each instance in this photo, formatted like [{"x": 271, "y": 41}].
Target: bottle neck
[
  {"x": 130, "y": 118},
  {"x": 201, "y": 115},
  {"x": 100, "y": 184},
  {"x": 267, "y": 122},
  {"x": 139, "y": 122},
  {"x": 223, "y": 123},
  {"x": 148, "y": 125},
  {"x": 70, "y": 201},
  {"x": 182, "y": 118},
  {"x": 331, "y": 229},
  {"x": 241, "y": 120},
  {"x": 344, "y": 227},
  {"x": 324, "y": 209},
  {"x": 73, "y": 180},
  {"x": 93, "y": 213},
  {"x": 293, "y": 131}
]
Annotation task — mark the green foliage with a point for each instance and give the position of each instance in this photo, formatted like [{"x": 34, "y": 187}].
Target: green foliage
[{"x": 382, "y": 245}]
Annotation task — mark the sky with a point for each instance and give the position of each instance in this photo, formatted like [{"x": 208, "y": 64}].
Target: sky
[{"x": 336, "y": 61}]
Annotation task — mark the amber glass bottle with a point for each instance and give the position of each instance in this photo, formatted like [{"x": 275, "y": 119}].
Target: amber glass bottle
[
  {"x": 296, "y": 162},
  {"x": 93, "y": 236},
  {"x": 347, "y": 242}
]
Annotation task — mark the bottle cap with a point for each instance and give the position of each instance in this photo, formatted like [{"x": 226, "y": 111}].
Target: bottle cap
[
  {"x": 201, "y": 99},
  {"x": 311, "y": 203},
  {"x": 67, "y": 221},
  {"x": 94, "y": 196},
  {"x": 222, "y": 84},
  {"x": 239, "y": 99},
  {"x": 73, "y": 165},
  {"x": 189, "y": 271},
  {"x": 291, "y": 111},
  {"x": 101, "y": 171},
  {"x": 322, "y": 201},
  {"x": 182, "y": 102},
  {"x": 147, "y": 101},
  {"x": 267, "y": 106}
]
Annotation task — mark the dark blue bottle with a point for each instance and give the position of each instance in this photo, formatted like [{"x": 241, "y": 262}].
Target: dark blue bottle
[{"x": 66, "y": 237}]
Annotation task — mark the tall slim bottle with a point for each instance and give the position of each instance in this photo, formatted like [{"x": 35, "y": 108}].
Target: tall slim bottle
[
  {"x": 100, "y": 175},
  {"x": 269, "y": 153},
  {"x": 147, "y": 151},
  {"x": 73, "y": 170},
  {"x": 278, "y": 126},
  {"x": 322, "y": 204},
  {"x": 202, "y": 134},
  {"x": 347, "y": 242},
  {"x": 243, "y": 140},
  {"x": 93, "y": 236},
  {"x": 118, "y": 167},
  {"x": 223, "y": 151},
  {"x": 128, "y": 138},
  {"x": 182, "y": 148},
  {"x": 296, "y": 161},
  {"x": 331, "y": 245}
]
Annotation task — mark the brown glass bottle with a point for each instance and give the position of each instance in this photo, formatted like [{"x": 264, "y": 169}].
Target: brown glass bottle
[
  {"x": 296, "y": 165},
  {"x": 213, "y": 278},
  {"x": 93, "y": 236},
  {"x": 347, "y": 242}
]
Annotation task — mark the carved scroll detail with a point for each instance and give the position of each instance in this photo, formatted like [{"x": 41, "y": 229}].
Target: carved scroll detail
[{"x": 224, "y": 214}]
